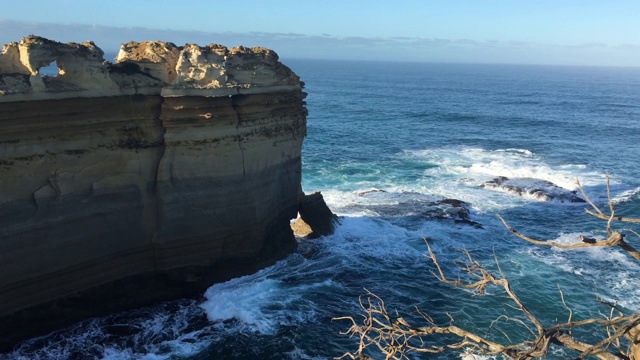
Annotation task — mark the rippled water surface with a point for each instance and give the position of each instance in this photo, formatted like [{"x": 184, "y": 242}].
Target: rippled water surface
[{"x": 387, "y": 141}]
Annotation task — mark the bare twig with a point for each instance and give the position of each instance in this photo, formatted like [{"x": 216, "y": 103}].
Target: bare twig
[
  {"x": 615, "y": 238},
  {"x": 616, "y": 218},
  {"x": 598, "y": 213},
  {"x": 586, "y": 197},
  {"x": 565, "y": 304},
  {"x": 396, "y": 338}
]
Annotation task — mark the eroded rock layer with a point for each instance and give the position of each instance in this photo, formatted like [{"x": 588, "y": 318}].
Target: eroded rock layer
[{"x": 128, "y": 183}]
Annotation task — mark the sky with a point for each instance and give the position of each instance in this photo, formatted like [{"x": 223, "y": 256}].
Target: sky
[{"x": 559, "y": 32}]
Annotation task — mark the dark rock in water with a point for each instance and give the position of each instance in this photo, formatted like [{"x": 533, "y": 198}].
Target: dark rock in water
[
  {"x": 454, "y": 202},
  {"x": 536, "y": 188},
  {"x": 415, "y": 207},
  {"x": 448, "y": 208},
  {"x": 455, "y": 209},
  {"x": 315, "y": 213},
  {"x": 362, "y": 193}
]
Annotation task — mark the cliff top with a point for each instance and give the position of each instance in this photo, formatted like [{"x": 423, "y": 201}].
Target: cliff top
[{"x": 150, "y": 67}]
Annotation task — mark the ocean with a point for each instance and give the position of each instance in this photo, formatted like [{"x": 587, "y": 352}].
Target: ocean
[{"x": 390, "y": 145}]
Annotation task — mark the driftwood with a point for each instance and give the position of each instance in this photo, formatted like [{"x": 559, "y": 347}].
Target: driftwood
[{"x": 396, "y": 338}]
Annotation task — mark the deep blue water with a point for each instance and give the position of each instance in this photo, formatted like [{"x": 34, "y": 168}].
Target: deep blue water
[{"x": 420, "y": 133}]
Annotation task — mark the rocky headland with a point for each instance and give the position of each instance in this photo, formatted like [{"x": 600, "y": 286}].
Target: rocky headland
[{"x": 127, "y": 183}]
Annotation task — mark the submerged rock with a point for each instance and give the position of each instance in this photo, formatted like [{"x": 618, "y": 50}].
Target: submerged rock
[
  {"x": 535, "y": 188},
  {"x": 454, "y": 209},
  {"x": 414, "y": 207}
]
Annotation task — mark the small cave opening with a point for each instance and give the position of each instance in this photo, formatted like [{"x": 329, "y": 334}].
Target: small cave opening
[{"x": 51, "y": 70}]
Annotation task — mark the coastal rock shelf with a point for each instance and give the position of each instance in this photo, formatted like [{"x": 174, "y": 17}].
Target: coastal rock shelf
[
  {"x": 127, "y": 183},
  {"x": 537, "y": 189}
]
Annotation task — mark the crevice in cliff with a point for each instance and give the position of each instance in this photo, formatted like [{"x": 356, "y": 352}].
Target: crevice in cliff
[
  {"x": 239, "y": 138},
  {"x": 154, "y": 207},
  {"x": 34, "y": 200}
]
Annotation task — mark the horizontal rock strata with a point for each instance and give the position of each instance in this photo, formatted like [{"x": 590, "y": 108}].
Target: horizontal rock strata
[{"x": 126, "y": 183}]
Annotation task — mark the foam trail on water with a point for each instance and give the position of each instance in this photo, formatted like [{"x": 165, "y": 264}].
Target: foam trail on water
[
  {"x": 460, "y": 171},
  {"x": 483, "y": 164},
  {"x": 170, "y": 330},
  {"x": 595, "y": 264},
  {"x": 241, "y": 299},
  {"x": 627, "y": 195}
]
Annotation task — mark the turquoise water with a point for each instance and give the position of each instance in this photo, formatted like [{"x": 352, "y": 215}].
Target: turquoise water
[{"x": 385, "y": 142}]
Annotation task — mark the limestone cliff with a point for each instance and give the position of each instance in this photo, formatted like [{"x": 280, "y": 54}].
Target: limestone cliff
[{"x": 149, "y": 178}]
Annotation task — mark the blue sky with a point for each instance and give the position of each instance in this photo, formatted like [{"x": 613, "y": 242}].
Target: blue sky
[{"x": 563, "y": 32}]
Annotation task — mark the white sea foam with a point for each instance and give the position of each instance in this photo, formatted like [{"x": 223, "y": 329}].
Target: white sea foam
[
  {"x": 149, "y": 334},
  {"x": 609, "y": 266},
  {"x": 338, "y": 201},
  {"x": 299, "y": 354},
  {"x": 353, "y": 230},
  {"x": 460, "y": 172},
  {"x": 468, "y": 354},
  {"x": 262, "y": 302},
  {"x": 627, "y": 195},
  {"x": 241, "y": 299},
  {"x": 521, "y": 163}
]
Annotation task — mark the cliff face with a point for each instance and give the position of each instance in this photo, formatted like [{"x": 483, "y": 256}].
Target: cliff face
[{"x": 128, "y": 183}]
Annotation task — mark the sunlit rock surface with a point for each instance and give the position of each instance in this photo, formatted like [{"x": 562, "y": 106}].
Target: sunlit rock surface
[
  {"x": 122, "y": 184},
  {"x": 316, "y": 219}
]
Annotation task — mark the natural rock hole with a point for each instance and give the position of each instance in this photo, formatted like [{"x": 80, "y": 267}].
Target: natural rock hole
[{"x": 51, "y": 70}]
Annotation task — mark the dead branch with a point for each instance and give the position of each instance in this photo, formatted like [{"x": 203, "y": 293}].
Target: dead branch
[
  {"x": 474, "y": 268},
  {"x": 598, "y": 213},
  {"x": 396, "y": 338},
  {"x": 615, "y": 239},
  {"x": 616, "y": 218}
]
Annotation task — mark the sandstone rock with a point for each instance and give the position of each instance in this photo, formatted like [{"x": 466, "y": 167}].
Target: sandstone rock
[
  {"x": 301, "y": 228},
  {"x": 81, "y": 67},
  {"x": 201, "y": 67},
  {"x": 156, "y": 58},
  {"x": 10, "y": 62},
  {"x": 114, "y": 196},
  {"x": 141, "y": 68}
]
